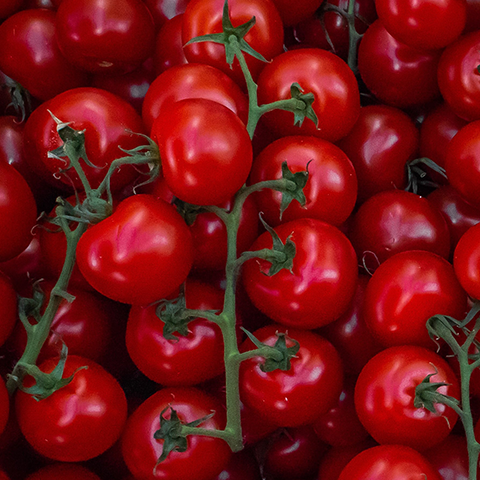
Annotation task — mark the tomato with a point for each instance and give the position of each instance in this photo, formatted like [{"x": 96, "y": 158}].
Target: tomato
[
  {"x": 473, "y": 15},
  {"x": 203, "y": 17},
  {"x": 394, "y": 462},
  {"x": 4, "y": 476},
  {"x": 242, "y": 466},
  {"x": 18, "y": 212},
  {"x": 105, "y": 35},
  {"x": 4, "y": 405},
  {"x": 206, "y": 456},
  {"x": 9, "y": 7},
  {"x": 463, "y": 162},
  {"x": 385, "y": 391},
  {"x": 78, "y": 422},
  {"x": 8, "y": 302},
  {"x": 466, "y": 261},
  {"x": 427, "y": 25},
  {"x": 301, "y": 394},
  {"x": 204, "y": 163},
  {"x": 43, "y": 70},
  {"x": 380, "y": 144},
  {"x": 395, "y": 73},
  {"x": 63, "y": 471},
  {"x": 405, "y": 291},
  {"x": 322, "y": 283},
  {"x": 458, "y": 78},
  {"x": 164, "y": 10},
  {"x": 333, "y": 84},
  {"x": 192, "y": 81},
  {"x": 332, "y": 183},
  {"x": 107, "y": 121},
  {"x": 396, "y": 221},
  {"x": 294, "y": 13},
  {"x": 138, "y": 255}
]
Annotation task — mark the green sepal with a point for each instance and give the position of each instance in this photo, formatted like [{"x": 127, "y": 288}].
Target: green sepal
[
  {"x": 299, "y": 180},
  {"x": 188, "y": 211},
  {"x": 296, "y": 91},
  {"x": 224, "y": 37},
  {"x": 283, "y": 253},
  {"x": 417, "y": 176},
  {"x": 171, "y": 433},
  {"x": 426, "y": 394},
  {"x": 31, "y": 307},
  {"x": 48, "y": 383}
]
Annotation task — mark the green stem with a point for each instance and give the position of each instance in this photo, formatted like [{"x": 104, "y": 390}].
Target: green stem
[{"x": 354, "y": 37}]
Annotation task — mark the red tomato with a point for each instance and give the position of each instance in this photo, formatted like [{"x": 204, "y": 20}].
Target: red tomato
[
  {"x": 4, "y": 405},
  {"x": 466, "y": 261},
  {"x": 458, "y": 78},
  {"x": 425, "y": 25},
  {"x": 29, "y": 35},
  {"x": 203, "y": 17},
  {"x": 187, "y": 360},
  {"x": 395, "y": 73},
  {"x": 292, "y": 13},
  {"x": 322, "y": 283},
  {"x": 192, "y": 81},
  {"x": 106, "y": 119},
  {"x": 164, "y": 10},
  {"x": 242, "y": 466},
  {"x": 9, "y": 7},
  {"x": 385, "y": 391},
  {"x": 18, "y": 212},
  {"x": 206, "y": 456},
  {"x": 8, "y": 302},
  {"x": 205, "y": 149},
  {"x": 301, "y": 394},
  {"x": 405, "y": 291},
  {"x": 105, "y": 35},
  {"x": 333, "y": 84},
  {"x": 380, "y": 144},
  {"x": 332, "y": 183},
  {"x": 463, "y": 162},
  {"x": 63, "y": 471},
  {"x": 78, "y": 422},
  {"x": 395, "y": 221},
  {"x": 394, "y": 462},
  {"x": 138, "y": 255}
]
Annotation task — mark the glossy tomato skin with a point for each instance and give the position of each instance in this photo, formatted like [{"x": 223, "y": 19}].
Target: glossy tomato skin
[
  {"x": 331, "y": 187},
  {"x": 203, "y": 17},
  {"x": 106, "y": 119},
  {"x": 205, "y": 456},
  {"x": 309, "y": 297},
  {"x": 204, "y": 162},
  {"x": 177, "y": 362},
  {"x": 43, "y": 70},
  {"x": 405, "y": 291},
  {"x": 458, "y": 78},
  {"x": 379, "y": 146},
  {"x": 242, "y": 466},
  {"x": 427, "y": 25},
  {"x": 94, "y": 404},
  {"x": 105, "y": 35},
  {"x": 395, "y": 462},
  {"x": 18, "y": 212},
  {"x": 138, "y": 255},
  {"x": 398, "y": 75},
  {"x": 9, "y": 7},
  {"x": 4, "y": 404},
  {"x": 297, "y": 396},
  {"x": 294, "y": 13},
  {"x": 63, "y": 471},
  {"x": 164, "y": 10},
  {"x": 463, "y": 162},
  {"x": 337, "y": 100},
  {"x": 394, "y": 221},
  {"x": 385, "y": 391},
  {"x": 192, "y": 81},
  {"x": 466, "y": 261}
]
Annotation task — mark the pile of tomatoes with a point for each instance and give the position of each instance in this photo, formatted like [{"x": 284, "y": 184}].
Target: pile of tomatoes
[{"x": 381, "y": 114}]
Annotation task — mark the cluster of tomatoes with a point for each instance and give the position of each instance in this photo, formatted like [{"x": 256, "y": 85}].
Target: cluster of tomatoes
[{"x": 361, "y": 260}]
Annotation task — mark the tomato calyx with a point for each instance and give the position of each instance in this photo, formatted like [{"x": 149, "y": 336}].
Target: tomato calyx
[
  {"x": 418, "y": 177},
  {"x": 21, "y": 100},
  {"x": 427, "y": 395},
  {"x": 294, "y": 190}
]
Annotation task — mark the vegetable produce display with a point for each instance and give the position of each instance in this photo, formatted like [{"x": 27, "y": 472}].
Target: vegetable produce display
[{"x": 240, "y": 239}]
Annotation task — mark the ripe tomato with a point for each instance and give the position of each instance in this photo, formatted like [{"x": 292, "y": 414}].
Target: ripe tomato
[
  {"x": 204, "y": 162},
  {"x": 405, "y": 291},
  {"x": 242, "y": 466},
  {"x": 18, "y": 212},
  {"x": 385, "y": 391},
  {"x": 322, "y": 283},
  {"x": 394, "y": 462},
  {"x": 105, "y": 35},
  {"x": 301, "y": 394},
  {"x": 203, "y": 17},
  {"x": 63, "y": 471},
  {"x": 138, "y": 255},
  {"x": 206, "y": 456},
  {"x": 4, "y": 405},
  {"x": 333, "y": 84},
  {"x": 164, "y": 10},
  {"x": 106, "y": 120},
  {"x": 332, "y": 183},
  {"x": 29, "y": 35},
  {"x": 466, "y": 261},
  {"x": 293, "y": 13},
  {"x": 9, "y": 7},
  {"x": 78, "y": 422}
]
